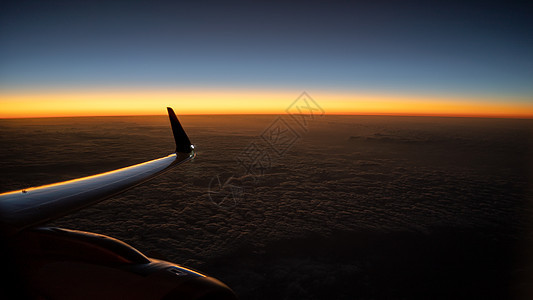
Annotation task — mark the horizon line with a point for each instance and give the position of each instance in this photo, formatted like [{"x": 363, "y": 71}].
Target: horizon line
[{"x": 477, "y": 116}]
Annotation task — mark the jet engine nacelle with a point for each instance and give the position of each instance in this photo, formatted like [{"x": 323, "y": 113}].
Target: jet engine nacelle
[{"x": 69, "y": 264}]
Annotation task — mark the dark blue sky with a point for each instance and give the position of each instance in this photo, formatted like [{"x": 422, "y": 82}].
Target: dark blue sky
[{"x": 448, "y": 47}]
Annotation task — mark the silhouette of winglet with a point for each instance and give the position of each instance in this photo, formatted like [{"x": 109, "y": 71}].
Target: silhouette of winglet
[{"x": 183, "y": 144}]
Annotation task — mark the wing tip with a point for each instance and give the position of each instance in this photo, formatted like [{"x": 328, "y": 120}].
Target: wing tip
[{"x": 183, "y": 144}]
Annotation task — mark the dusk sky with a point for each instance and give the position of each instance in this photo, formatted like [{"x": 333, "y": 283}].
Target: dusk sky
[{"x": 92, "y": 57}]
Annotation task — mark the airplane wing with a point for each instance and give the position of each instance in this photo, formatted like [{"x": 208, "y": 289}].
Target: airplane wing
[{"x": 33, "y": 206}]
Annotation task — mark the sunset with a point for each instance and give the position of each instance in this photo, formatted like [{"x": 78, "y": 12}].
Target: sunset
[
  {"x": 149, "y": 102},
  {"x": 85, "y": 59},
  {"x": 266, "y": 149}
]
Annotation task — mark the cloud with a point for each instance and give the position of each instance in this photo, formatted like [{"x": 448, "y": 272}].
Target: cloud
[{"x": 301, "y": 229}]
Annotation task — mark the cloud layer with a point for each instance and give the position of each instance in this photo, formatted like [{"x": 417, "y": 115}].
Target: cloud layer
[{"x": 372, "y": 207}]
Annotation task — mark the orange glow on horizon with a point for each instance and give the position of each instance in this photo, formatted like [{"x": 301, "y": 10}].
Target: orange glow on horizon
[
  {"x": 145, "y": 102},
  {"x": 417, "y": 105}
]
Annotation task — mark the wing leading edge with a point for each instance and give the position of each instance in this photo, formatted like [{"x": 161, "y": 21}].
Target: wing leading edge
[{"x": 33, "y": 206}]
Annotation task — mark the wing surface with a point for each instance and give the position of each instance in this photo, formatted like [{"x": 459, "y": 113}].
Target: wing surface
[{"x": 33, "y": 206}]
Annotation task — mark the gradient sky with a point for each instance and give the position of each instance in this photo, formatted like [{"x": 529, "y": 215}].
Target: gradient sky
[{"x": 463, "y": 54}]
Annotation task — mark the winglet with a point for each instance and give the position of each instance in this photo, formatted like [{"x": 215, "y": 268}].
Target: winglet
[{"x": 183, "y": 144}]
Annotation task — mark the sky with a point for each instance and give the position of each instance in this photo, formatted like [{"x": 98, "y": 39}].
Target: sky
[{"x": 68, "y": 58}]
